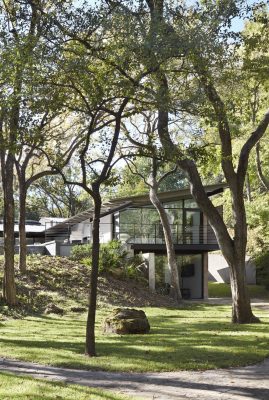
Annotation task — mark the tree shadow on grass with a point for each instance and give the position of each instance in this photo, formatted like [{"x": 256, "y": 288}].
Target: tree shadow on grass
[
  {"x": 173, "y": 343},
  {"x": 50, "y": 390},
  {"x": 164, "y": 385}
]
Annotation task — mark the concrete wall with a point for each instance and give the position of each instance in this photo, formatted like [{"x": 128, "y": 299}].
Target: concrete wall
[
  {"x": 33, "y": 249},
  {"x": 52, "y": 248},
  {"x": 150, "y": 258},
  {"x": 205, "y": 282},
  {"x": 106, "y": 229},
  {"x": 65, "y": 249},
  {"x": 83, "y": 230},
  {"x": 219, "y": 270}
]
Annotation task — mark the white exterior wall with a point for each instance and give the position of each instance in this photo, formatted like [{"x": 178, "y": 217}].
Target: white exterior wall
[
  {"x": 219, "y": 271},
  {"x": 84, "y": 230},
  {"x": 106, "y": 229},
  {"x": 80, "y": 231},
  {"x": 150, "y": 257}
]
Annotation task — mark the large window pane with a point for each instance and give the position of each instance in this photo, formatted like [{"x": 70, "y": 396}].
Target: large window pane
[
  {"x": 130, "y": 224},
  {"x": 130, "y": 216}
]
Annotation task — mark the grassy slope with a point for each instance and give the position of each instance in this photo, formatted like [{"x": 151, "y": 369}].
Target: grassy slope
[
  {"x": 24, "y": 388},
  {"x": 197, "y": 336},
  {"x": 66, "y": 283}
]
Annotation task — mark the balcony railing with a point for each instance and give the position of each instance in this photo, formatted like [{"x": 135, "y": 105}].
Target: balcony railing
[{"x": 153, "y": 234}]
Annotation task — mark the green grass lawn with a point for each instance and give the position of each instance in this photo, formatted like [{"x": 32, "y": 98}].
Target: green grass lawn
[
  {"x": 195, "y": 337},
  {"x": 216, "y": 289},
  {"x": 24, "y": 388}
]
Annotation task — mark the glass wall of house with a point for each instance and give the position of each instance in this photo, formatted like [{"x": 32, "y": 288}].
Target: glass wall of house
[
  {"x": 143, "y": 225},
  {"x": 190, "y": 268}
]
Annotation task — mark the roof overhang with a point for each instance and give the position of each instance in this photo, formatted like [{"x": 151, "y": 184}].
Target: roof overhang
[{"x": 106, "y": 209}]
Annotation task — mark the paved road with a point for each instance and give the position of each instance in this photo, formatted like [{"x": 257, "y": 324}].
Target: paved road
[{"x": 223, "y": 384}]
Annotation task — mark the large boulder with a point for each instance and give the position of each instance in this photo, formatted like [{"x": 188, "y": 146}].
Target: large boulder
[{"x": 124, "y": 321}]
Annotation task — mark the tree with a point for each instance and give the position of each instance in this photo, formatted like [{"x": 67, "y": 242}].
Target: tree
[
  {"x": 155, "y": 172},
  {"x": 193, "y": 56},
  {"x": 233, "y": 248},
  {"x": 36, "y": 160},
  {"x": 98, "y": 101},
  {"x": 99, "y": 95},
  {"x": 49, "y": 196},
  {"x": 21, "y": 26}
]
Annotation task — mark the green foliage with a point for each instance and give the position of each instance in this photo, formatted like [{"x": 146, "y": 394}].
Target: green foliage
[
  {"x": 49, "y": 196},
  {"x": 80, "y": 252},
  {"x": 131, "y": 182},
  {"x": 112, "y": 255},
  {"x": 258, "y": 216},
  {"x": 113, "y": 259},
  {"x": 262, "y": 265}
]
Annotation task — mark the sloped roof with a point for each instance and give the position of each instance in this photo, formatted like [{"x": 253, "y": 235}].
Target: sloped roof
[
  {"x": 173, "y": 195},
  {"x": 118, "y": 204},
  {"x": 107, "y": 208}
]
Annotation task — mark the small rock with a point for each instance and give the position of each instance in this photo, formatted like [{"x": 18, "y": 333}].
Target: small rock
[
  {"x": 126, "y": 321},
  {"x": 53, "y": 309}
]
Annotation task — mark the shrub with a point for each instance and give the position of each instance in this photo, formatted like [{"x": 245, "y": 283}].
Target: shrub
[
  {"x": 113, "y": 259},
  {"x": 112, "y": 255},
  {"x": 262, "y": 265},
  {"x": 81, "y": 251}
]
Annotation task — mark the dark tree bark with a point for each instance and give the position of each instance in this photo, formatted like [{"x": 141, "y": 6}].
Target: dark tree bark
[
  {"x": 175, "y": 291},
  {"x": 90, "y": 329},
  {"x": 22, "y": 230},
  {"x": 248, "y": 189},
  {"x": 9, "y": 288}
]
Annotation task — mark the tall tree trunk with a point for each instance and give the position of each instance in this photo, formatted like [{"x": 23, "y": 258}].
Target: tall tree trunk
[
  {"x": 175, "y": 291},
  {"x": 90, "y": 329},
  {"x": 22, "y": 230},
  {"x": 241, "y": 308},
  {"x": 9, "y": 288},
  {"x": 241, "y": 311},
  {"x": 248, "y": 188}
]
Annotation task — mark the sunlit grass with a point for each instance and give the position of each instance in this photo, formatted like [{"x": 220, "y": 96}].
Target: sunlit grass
[
  {"x": 194, "y": 337},
  {"x": 216, "y": 289},
  {"x": 24, "y": 388}
]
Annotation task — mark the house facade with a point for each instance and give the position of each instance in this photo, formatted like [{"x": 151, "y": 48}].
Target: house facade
[{"x": 135, "y": 222}]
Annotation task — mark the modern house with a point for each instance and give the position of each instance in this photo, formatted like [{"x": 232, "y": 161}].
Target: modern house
[{"x": 135, "y": 222}]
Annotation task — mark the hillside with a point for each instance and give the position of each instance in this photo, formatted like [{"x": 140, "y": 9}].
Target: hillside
[{"x": 66, "y": 283}]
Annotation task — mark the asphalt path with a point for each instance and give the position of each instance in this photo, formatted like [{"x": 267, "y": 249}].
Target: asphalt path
[{"x": 244, "y": 383}]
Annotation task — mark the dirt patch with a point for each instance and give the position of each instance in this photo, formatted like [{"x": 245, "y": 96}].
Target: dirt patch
[{"x": 128, "y": 293}]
